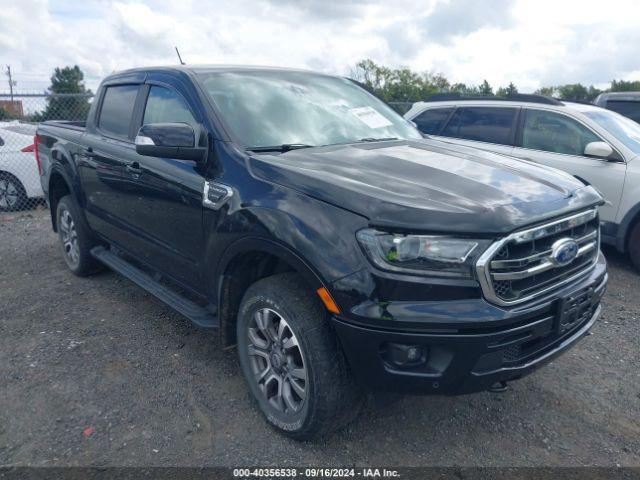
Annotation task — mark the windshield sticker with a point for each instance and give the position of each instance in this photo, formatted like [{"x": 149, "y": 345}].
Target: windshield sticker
[{"x": 370, "y": 117}]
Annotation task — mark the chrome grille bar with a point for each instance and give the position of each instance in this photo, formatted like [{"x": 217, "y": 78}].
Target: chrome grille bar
[
  {"x": 554, "y": 227},
  {"x": 510, "y": 281},
  {"x": 524, "y": 261},
  {"x": 547, "y": 264}
]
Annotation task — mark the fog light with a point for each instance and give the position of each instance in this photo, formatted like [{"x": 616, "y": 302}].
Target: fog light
[
  {"x": 405, "y": 355},
  {"x": 414, "y": 354}
]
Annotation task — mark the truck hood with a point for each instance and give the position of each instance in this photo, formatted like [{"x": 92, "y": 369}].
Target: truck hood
[{"x": 428, "y": 185}]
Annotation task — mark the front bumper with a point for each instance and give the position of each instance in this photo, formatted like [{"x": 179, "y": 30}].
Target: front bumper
[{"x": 491, "y": 345}]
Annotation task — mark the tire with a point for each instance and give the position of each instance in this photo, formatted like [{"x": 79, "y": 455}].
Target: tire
[
  {"x": 634, "y": 245},
  {"x": 13, "y": 196},
  {"x": 76, "y": 240},
  {"x": 301, "y": 362}
]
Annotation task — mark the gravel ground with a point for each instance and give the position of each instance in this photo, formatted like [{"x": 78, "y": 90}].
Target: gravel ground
[{"x": 97, "y": 372}]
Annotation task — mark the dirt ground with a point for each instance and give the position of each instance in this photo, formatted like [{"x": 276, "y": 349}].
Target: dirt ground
[{"x": 97, "y": 372}]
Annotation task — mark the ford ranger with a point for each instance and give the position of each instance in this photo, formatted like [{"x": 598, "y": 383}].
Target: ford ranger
[{"x": 321, "y": 233}]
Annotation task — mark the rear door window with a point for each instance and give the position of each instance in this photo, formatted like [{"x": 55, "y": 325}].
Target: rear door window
[
  {"x": 553, "y": 132},
  {"x": 483, "y": 124},
  {"x": 117, "y": 110},
  {"x": 432, "y": 120}
]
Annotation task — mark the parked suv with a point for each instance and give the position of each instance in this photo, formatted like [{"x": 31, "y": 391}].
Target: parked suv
[
  {"x": 321, "y": 234},
  {"x": 625, "y": 103},
  {"x": 597, "y": 146}
]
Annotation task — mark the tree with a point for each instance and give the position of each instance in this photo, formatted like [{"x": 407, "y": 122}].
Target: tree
[
  {"x": 485, "y": 88},
  {"x": 624, "y": 86},
  {"x": 397, "y": 85},
  {"x": 69, "y": 98},
  {"x": 546, "y": 91},
  {"x": 573, "y": 91},
  {"x": 510, "y": 89},
  {"x": 463, "y": 89},
  {"x": 407, "y": 86}
]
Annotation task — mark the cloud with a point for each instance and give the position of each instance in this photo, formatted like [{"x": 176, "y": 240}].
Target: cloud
[
  {"x": 467, "y": 40},
  {"x": 326, "y": 10},
  {"x": 462, "y": 17}
]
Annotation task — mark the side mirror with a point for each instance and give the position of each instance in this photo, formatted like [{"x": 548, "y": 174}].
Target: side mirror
[
  {"x": 598, "y": 150},
  {"x": 169, "y": 140}
]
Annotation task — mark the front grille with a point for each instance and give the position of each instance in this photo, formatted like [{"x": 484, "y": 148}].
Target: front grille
[{"x": 529, "y": 263}]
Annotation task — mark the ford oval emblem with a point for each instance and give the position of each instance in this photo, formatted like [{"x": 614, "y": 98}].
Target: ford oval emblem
[{"x": 564, "y": 251}]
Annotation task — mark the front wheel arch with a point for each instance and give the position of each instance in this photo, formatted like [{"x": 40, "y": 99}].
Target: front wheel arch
[{"x": 244, "y": 263}]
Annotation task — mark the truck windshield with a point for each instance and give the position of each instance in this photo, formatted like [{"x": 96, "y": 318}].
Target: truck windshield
[
  {"x": 270, "y": 108},
  {"x": 625, "y": 130}
]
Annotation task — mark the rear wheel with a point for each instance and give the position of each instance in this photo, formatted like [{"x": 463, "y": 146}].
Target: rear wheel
[
  {"x": 291, "y": 359},
  {"x": 75, "y": 238},
  {"x": 634, "y": 245},
  {"x": 12, "y": 194}
]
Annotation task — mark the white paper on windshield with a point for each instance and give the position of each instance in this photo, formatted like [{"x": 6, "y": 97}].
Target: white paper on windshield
[{"x": 370, "y": 117}]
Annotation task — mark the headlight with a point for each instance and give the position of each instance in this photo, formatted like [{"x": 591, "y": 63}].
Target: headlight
[{"x": 431, "y": 255}]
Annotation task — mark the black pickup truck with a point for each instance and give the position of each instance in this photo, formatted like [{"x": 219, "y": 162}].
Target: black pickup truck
[{"x": 340, "y": 250}]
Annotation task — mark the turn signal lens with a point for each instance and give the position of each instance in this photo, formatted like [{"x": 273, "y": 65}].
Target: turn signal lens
[{"x": 325, "y": 296}]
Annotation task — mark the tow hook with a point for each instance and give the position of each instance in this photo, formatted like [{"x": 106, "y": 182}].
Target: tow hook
[{"x": 498, "y": 387}]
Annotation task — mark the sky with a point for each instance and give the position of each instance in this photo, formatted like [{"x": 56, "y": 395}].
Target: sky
[{"x": 532, "y": 43}]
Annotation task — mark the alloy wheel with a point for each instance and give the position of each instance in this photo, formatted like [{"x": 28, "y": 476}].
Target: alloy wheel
[
  {"x": 9, "y": 193},
  {"x": 277, "y": 361},
  {"x": 69, "y": 237}
]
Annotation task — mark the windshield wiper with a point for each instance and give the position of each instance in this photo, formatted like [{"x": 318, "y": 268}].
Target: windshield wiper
[
  {"x": 285, "y": 147},
  {"x": 372, "y": 139}
]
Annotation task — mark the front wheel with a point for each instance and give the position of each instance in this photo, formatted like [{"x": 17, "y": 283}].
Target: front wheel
[{"x": 292, "y": 361}]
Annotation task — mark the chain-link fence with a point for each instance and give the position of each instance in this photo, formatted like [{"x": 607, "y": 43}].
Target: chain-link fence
[{"x": 20, "y": 114}]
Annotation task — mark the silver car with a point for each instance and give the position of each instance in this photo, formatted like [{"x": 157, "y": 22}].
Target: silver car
[
  {"x": 19, "y": 177},
  {"x": 598, "y": 146}
]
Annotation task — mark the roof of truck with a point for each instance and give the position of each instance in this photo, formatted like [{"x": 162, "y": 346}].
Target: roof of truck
[{"x": 210, "y": 68}]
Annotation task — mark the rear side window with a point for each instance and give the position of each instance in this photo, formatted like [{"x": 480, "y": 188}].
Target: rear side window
[
  {"x": 166, "y": 106},
  {"x": 431, "y": 121},
  {"x": 483, "y": 124},
  {"x": 117, "y": 110},
  {"x": 552, "y": 132},
  {"x": 628, "y": 109}
]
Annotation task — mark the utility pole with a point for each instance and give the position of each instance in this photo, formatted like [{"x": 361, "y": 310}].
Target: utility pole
[{"x": 11, "y": 82}]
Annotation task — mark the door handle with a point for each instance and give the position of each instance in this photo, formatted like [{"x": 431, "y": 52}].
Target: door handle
[{"x": 134, "y": 169}]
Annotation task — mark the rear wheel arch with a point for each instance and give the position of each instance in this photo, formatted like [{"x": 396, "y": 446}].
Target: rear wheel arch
[
  {"x": 59, "y": 187},
  {"x": 244, "y": 263}
]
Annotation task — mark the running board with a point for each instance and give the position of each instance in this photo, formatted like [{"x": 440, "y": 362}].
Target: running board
[{"x": 201, "y": 316}]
